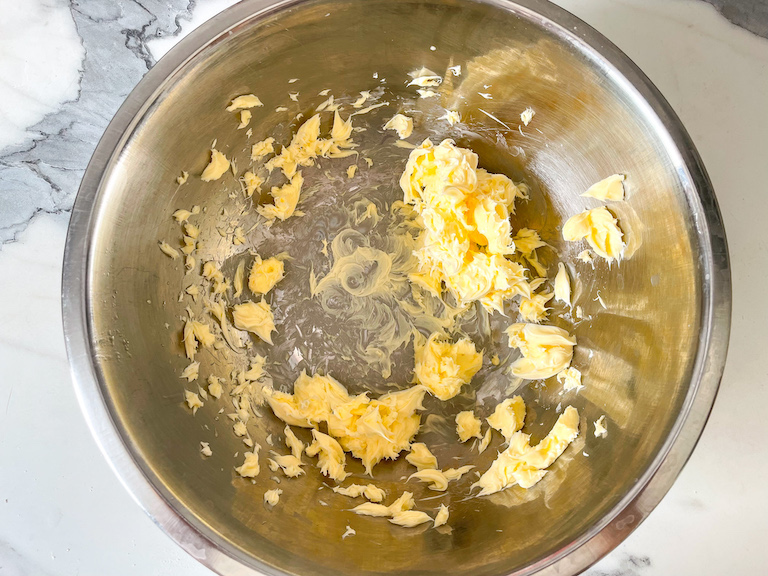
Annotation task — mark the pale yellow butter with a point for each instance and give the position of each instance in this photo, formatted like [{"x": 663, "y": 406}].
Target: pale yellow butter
[{"x": 546, "y": 350}]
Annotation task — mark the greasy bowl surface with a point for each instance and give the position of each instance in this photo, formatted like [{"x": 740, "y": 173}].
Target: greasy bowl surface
[{"x": 652, "y": 359}]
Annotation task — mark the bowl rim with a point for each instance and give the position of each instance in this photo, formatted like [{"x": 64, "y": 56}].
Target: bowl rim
[{"x": 197, "y": 538}]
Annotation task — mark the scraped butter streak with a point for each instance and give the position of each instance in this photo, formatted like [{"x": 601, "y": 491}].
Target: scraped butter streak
[
  {"x": 600, "y": 229},
  {"x": 524, "y": 465},
  {"x": 216, "y": 168},
  {"x": 255, "y": 317}
]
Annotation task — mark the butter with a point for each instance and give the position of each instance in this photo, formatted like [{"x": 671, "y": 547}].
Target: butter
[
  {"x": 525, "y": 465},
  {"x": 485, "y": 442},
  {"x": 600, "y": 429},
  {"x": 372, "y": 509},
  {"x": 534, "y": 309},
  {"x": 288, "y": 463},
  {"x": 262, "y": 148},
  {"x": 265, "y": 274},
  {"x": 169, "y": 250},
  {"x": 250, "y": 466},
  {"x": 441, "y": 518},
  {"x": 436, "y": 479},
  {"x": 183, "y": 178},
  {"x": 600, "y": 229},
  {"x": 214, "y": 387},
  {"x": 256, "y": 318},
  {"x": 424, "y": 77},
  {"x": 252, "y": 183},
  {"x": 466, "y": 230},
  {"x": 330, "y": 455},
  {"x": 216, "y": 168},
  {"x": 243, "y": 102},
  {"x": 443, "y": 368},
  {"x": 370, "y": 429},
  {"x": 193, "y": 400},
  {"x": 272, "y": 497},
  {"x": 195, "y": 332},
  {"x": 410, "y": 518},
  {"x": 562, "y": 285},
  {"x": 451, "y": 116},
  {"x": 570, "y": 378},
  {"x": 611, "y": 188},
  {"x": 527, "y": 115},
  {"x": 191, "y": 371},
  {"x": 245, "y": 118},
  {"x": 239, "y": 278},
  {"x": 546, "y": 350},
  {"x": 286, "y": 198},
  {"x": 351, "y": 171},
  {"x": 295, "y": 445},
  {"x": 205, "y": 449},
  {"x": 401, "y": 124},
  {"x": 508, "y": 417},
  {"x": 468, "y": 426},
  {"x": 370, "y": 492},
  {"x": 421, "y": 457}
]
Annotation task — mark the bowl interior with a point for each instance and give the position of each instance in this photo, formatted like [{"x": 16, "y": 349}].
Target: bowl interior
[{"x": 636, "y": 353}]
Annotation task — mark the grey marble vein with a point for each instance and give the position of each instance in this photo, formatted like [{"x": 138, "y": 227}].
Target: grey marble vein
[
  {"x": 629, "y": 565},
  {"x": 751, "y": 15},
  {"x": 42, "y": 174}
]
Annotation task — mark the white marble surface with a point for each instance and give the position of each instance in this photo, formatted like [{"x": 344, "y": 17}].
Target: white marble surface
[{"x": 64, "y": 69}]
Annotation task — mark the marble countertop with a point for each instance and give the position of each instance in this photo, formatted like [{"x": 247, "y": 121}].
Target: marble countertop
[{"x": 65, "y": 67}]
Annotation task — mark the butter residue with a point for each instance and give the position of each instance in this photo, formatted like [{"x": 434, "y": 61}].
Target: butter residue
[
  {"x": 421, "y": 457},
  {"x": 534, "y": 308},
  {"x": 600, "y": 229},
  {"x": 168, "y": 250},
  {"x": 525, "y": 465},
  {"x": 508, "y": 417},
  {"x": 370, "y": 429},
  {"x": 262, "y": 148},
  {"x": 443, "y": 368},
  {"x": 194, "y": 333},
  {"x": 245, "y": 118},
  {"x": 562, "y": 285},
  {"x": 438, "y": 479},
  {"x": 400, "y": 511},
  {"x": 468, "y": 425},
  {"x": 193, "y": 401},
  {"x": 216, "y": 168},
  {"x": 466, "y": 229},
  {"x": 243, "y": 102},
  {"x": 255, "y": 317},
  {"x": 611, "y": 188},
  {"x": 265, "y": 274},
  {"x": 546, "y": 350},
  {"x": 401, "y": 124}
]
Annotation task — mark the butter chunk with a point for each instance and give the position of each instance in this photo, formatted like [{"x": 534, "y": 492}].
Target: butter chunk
[
  {"x": 272, "y": 497},
  {"x": 169, "y": 250},
  {"x": 193, "y": 400},
  {"x": 611, "y": 188},
  {"x": 256, "y": 318},
  {"x": 468, "y": 426},
  {"x": 370, "y": 492},
  {"x": 443, "y": 368},
  {"x": 243, "y": 102},
  {"x": 600, "y": 229},
  {"x": 546, "y": 350},
  {"x": 261, "y": 149},
  {"x": 441, "y": 518},
  {"x": 525, "y": 465},
  {"x": 286, "y": 198},
  {"x": 410, "y": 518},
  {"x": 265, "y": 274},
  {"x": 195, "y": 332},
  {"x": 435, "y": 478},
  {"x": 421, "y": 457},
  {"x": 562, "y": 285},
  {"x": 216, "y": 168},
  {"x": 372, "y": 509},
  {"x": 288, "y": 463},
  {"x": 250, "y": 466},
  {"x": 527, "y": 115},
  {"x": 600, "y": 429},
  {"x": 401, "y": 124},
  {"x": 508, "y": 417},
  {"x": 570, "y": 378},
  {"x": 245, "y": 118},
  {"x": 330, "y": 454}
]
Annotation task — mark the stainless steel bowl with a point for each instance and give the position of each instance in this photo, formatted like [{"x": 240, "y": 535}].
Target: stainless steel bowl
[{"x": 652, "y": 360}]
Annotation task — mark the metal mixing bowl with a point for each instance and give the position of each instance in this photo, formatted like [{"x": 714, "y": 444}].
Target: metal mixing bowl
[{"x": 652, "y": 359}]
